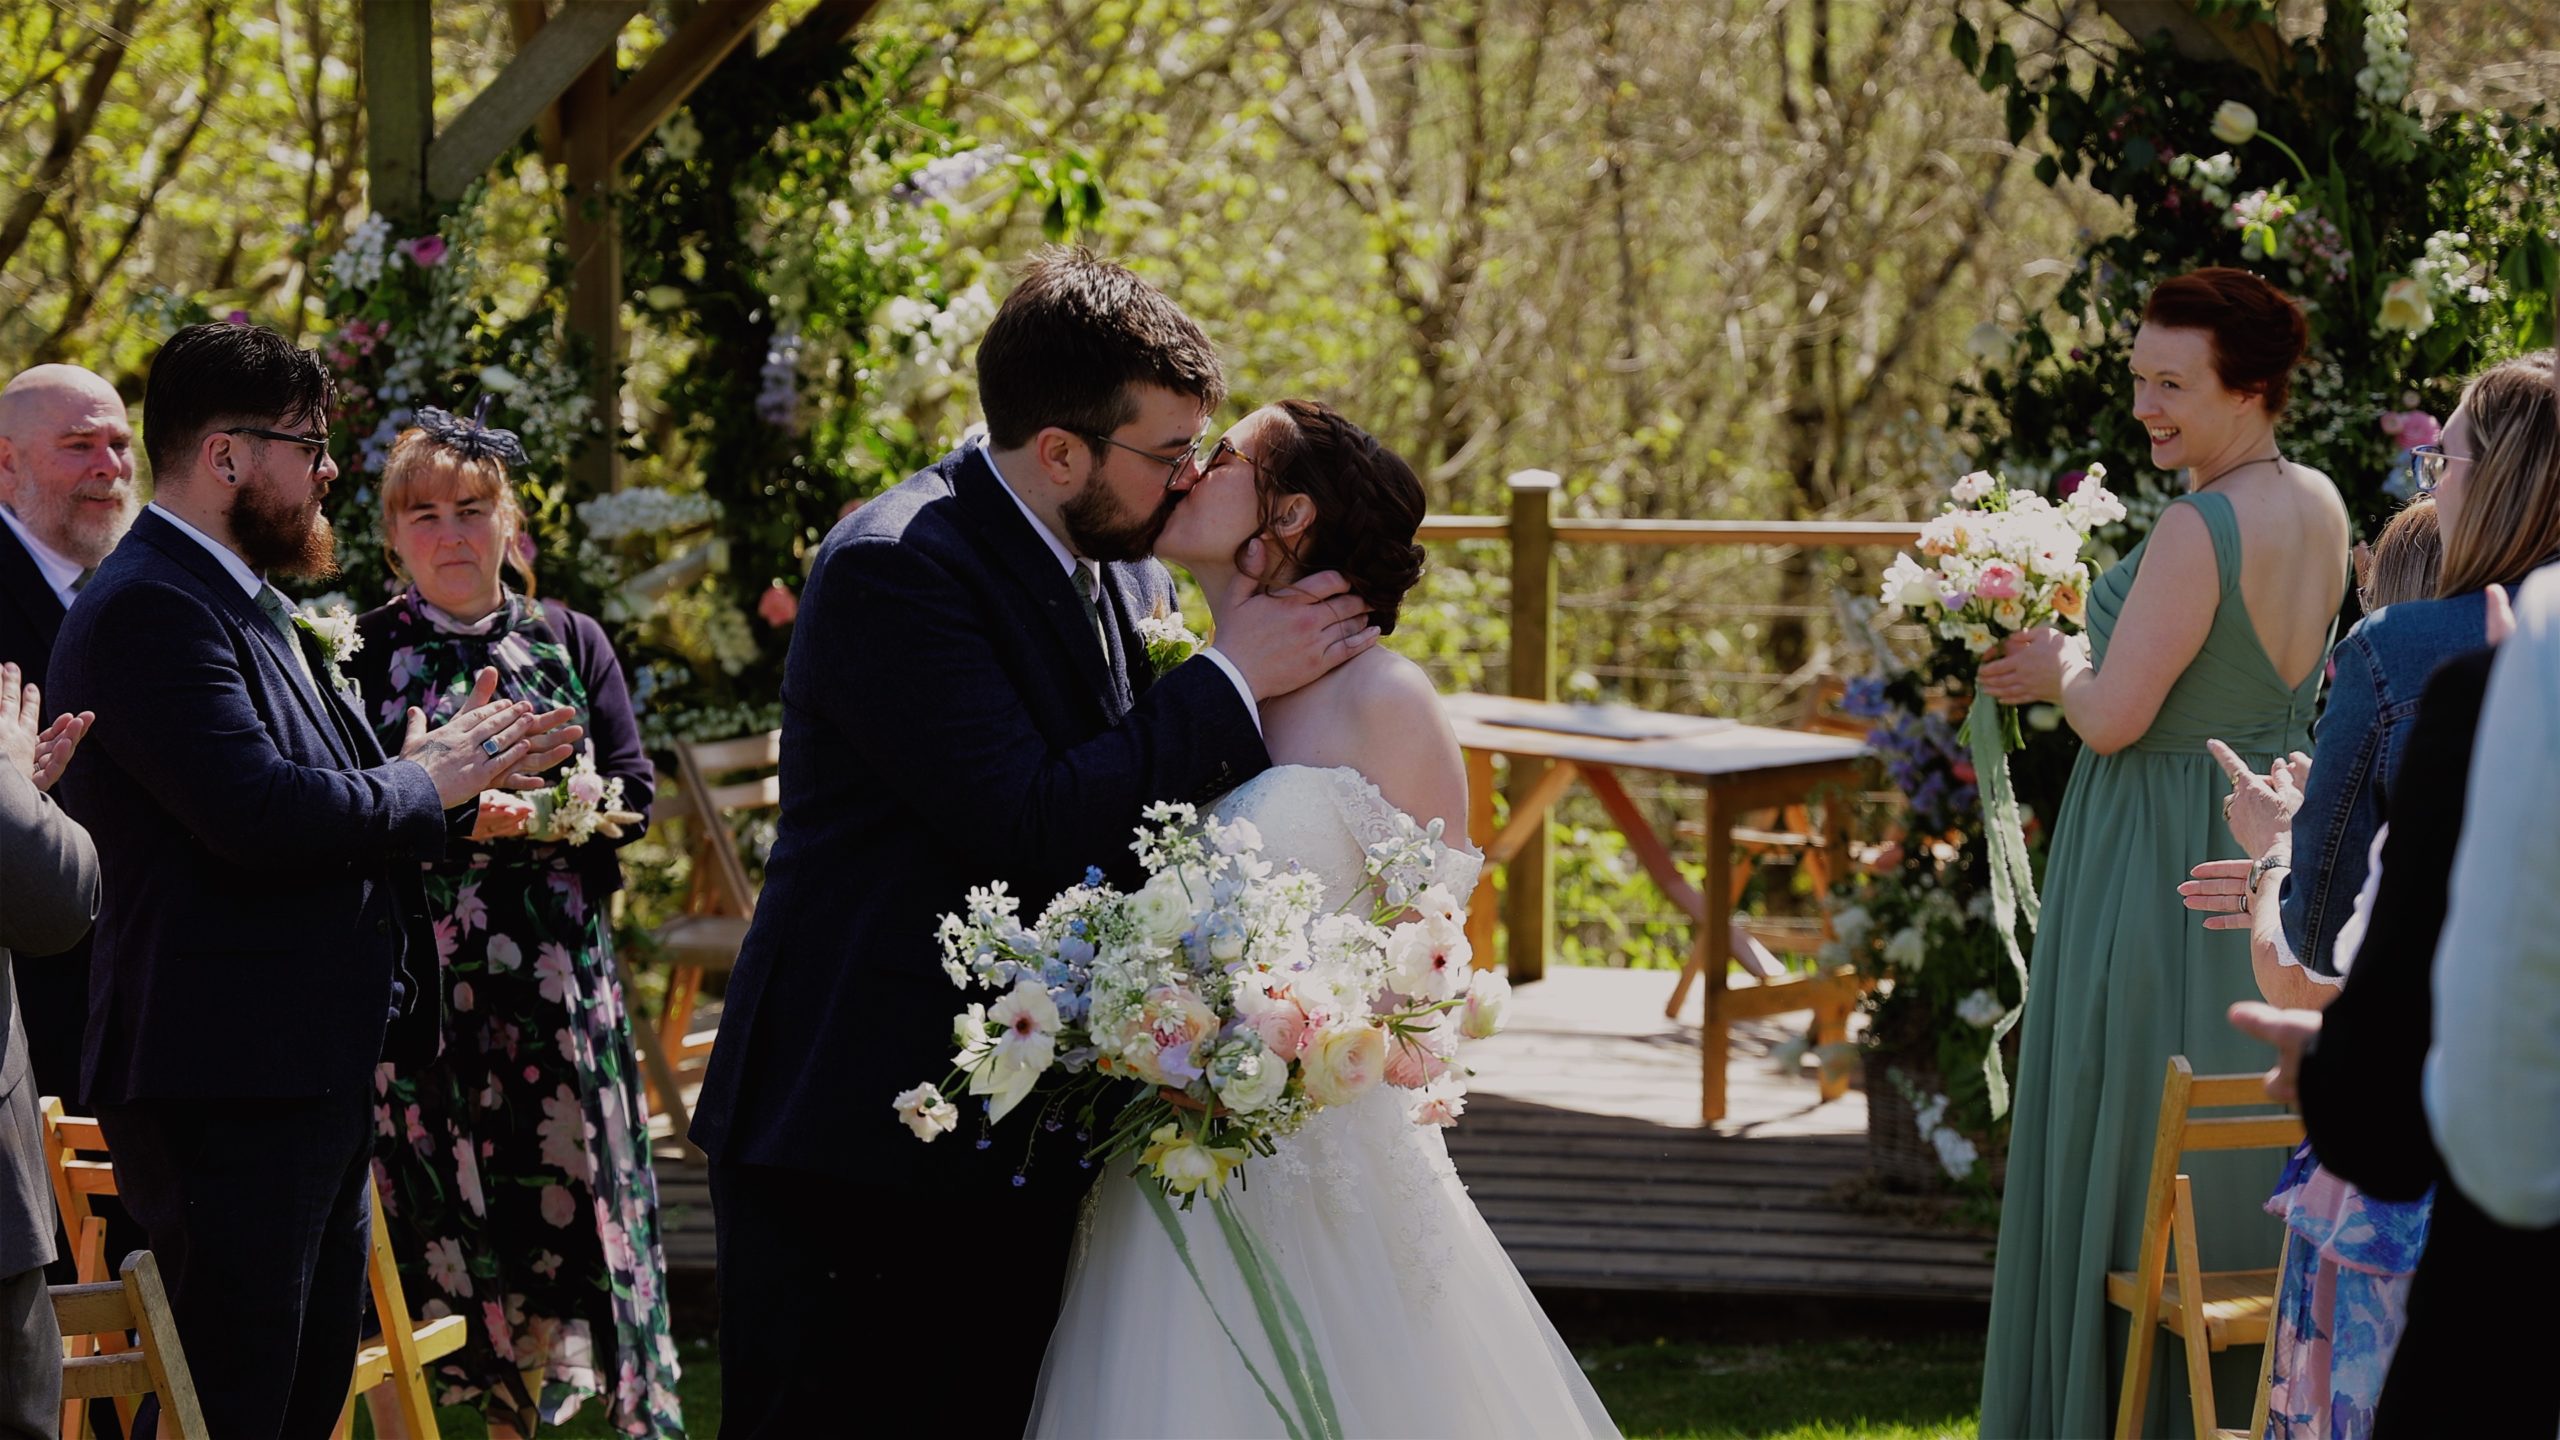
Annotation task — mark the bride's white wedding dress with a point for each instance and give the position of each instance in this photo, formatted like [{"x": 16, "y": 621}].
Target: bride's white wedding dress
[{"x": 1422, "y": 1323}]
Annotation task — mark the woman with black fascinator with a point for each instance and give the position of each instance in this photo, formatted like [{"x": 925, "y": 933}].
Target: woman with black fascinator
[{"x": 515, "y": 1168}]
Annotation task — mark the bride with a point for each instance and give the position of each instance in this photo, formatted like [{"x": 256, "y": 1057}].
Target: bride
[{"x": 1422, "y": 1326}]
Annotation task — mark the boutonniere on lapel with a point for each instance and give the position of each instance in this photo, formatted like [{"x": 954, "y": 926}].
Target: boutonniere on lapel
[
  {"x": 334, "y": 631},
  {"x": 1169, "y": 642}
]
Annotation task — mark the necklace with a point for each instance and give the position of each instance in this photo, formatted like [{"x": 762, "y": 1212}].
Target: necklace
[{"x": 2220, "y": 476}]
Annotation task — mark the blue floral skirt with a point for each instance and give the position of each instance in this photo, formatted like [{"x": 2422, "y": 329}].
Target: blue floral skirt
[{"x": 2341, "y": 1303}]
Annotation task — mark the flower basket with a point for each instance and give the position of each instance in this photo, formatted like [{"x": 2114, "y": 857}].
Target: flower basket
[{"x": 1896, "y": 1155}]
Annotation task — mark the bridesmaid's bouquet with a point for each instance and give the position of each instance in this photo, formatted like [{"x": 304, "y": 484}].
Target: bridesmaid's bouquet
[
  {"x": 1220, "y": 1004},
  {"x": 2003, "y": 561}
]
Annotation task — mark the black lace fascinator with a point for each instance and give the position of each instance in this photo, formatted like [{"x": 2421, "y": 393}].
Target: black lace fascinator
[{"x": 472, "y": 439}]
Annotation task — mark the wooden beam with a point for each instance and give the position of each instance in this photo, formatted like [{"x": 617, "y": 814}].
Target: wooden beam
[
  {"x": 592, "y": 231},
  {"x": 565, "y": 48},
  {"x": 526, "y": 18},
  {"x": 400, "y": 117},
  {"x": 2258, "y": 47},
  {"x": 827, "y": 22},
  {"x": 688, "y": 56}
]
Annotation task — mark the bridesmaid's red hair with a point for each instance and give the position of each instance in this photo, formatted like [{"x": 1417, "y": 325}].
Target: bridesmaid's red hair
[{"x": 2258, "y": 331}]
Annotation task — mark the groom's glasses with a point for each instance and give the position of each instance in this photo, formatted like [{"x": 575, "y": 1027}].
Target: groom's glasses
[
  {"x": 319, "y": 444},
  {"x": 1187, "y": 458}
]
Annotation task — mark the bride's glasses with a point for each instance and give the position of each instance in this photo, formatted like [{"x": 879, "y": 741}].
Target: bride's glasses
[{"x": 1225, "y": 451}]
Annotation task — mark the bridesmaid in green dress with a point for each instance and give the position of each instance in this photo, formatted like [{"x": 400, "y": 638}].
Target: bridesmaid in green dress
[{"x": 2215, "y": 627}]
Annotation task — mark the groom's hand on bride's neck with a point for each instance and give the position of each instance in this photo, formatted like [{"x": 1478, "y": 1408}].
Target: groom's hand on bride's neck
[{"x": 1294, "y": 634}]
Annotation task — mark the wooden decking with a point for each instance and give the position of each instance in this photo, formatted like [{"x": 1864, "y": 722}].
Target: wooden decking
[{"x": 1581, "y": 1145}]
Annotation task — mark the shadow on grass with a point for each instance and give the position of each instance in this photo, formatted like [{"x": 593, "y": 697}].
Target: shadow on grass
[{"x": 1916, "y": 1389}]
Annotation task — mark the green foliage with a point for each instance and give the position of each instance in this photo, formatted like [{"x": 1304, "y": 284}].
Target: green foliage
[
  {"x": 2423, "y": 251},
  {"x": 1819, "y": 1390}
]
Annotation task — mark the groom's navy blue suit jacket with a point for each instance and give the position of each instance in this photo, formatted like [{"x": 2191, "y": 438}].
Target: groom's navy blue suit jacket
[
  {"x": 260, "y": 881},
  {"x": 950, "y": 718}
]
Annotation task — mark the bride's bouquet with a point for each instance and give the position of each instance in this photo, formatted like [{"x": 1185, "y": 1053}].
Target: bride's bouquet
[
  {"x": 1222, "y": 1003},
  {"x": 2004, "y": 561}
]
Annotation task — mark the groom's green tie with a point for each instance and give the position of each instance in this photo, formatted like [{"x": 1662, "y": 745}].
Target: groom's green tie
[
  {"x": 273, "y": 604},
  {"x": 1092, "y": 607}
]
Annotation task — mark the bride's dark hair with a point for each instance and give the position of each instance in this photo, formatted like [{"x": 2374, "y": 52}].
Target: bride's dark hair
[{"x": 1368, "y": 503}]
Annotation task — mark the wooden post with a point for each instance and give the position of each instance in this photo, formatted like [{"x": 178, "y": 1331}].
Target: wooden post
[
  {"x": 400, "y": 117},
  {"x": 1529, "y": 895},
  {"x": 593, "y": 232}
]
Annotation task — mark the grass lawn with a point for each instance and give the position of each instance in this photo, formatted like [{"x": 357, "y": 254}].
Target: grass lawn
[{"x": 1808, "y": 1390}]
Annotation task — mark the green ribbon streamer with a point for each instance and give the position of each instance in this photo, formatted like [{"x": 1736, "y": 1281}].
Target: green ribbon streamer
[
  {"x": 2013, "y": 881},
  {"x": 1314, "y": 1417}
]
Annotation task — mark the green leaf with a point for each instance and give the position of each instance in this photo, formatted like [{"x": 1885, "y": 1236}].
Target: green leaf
[
  {"x": 2022, "y": 115},
  {"x": 1965, "y": 43},
  {"x": 2140, "y": 155},
  {"x": 2048, "y": 170}
]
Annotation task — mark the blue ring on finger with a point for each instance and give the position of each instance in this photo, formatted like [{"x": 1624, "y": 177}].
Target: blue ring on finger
[{"x": 489, "y": 748}]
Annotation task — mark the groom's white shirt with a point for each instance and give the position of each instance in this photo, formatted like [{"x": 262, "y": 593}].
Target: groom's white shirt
[{"x": 1069, "y": 561}]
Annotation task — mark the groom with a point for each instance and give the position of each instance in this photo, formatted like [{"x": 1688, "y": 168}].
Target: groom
[{"x": 966, "y": 701}]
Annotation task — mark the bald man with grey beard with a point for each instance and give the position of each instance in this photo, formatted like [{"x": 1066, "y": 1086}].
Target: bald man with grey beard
[{"x": 67, "y": 495}]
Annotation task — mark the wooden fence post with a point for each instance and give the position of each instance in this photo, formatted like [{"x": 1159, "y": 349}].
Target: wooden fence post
[
  {"x": 1529, "y": 897},
  {"x": 592, "y": 231},
  {"x": 399, "y": 83}
]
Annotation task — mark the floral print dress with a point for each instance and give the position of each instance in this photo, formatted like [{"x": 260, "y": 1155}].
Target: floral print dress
[{"x": 515, "y": 1170}]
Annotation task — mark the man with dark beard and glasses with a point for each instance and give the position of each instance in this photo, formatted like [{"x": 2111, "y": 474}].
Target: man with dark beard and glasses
[
  {"x": 966, "y": 700},
  {"x": 261, "y": 940}
]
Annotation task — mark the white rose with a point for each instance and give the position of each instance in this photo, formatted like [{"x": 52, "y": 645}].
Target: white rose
[
  {"x": 1974, "y": 486},
  {"x": 2406, "y": 306},
  {"x": 1257, "y": 1083},
  {"x": 1344, "y": 1062},
  {"x": 1162, "y": 911}
]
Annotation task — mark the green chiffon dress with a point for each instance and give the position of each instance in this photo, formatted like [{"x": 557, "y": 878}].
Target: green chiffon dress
[{"x": 2123, "y": 978}]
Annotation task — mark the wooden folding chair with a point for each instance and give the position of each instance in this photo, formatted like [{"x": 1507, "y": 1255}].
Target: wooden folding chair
[
  {"x": 720, "y": 901},
  {"x": 105, "y": 1310},
  {"x": 2209, "y": 1311},
  {"x": 398, "y": 1360},
  {"x": 76, "y": 1154}
]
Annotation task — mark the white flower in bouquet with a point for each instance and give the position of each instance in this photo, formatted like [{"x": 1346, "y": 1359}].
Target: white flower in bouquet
[
  {"x": 1251, "y": 1082},
  {"x": 1487, "y": 998},
  {"x": 579, "y": 806},
  {"x": 927, "y": 1113},
  {"x": 1440, "y": 1103},
  {"x": 1168, "y": 640},
  {"x": 1344, "y": 1062},
  {"x": 1427, "y": 960},
  {"x": 1973, "y": 487}
]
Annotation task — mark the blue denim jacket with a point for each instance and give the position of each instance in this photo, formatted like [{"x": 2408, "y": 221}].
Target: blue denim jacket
[{"x": 2382, "y": 665}]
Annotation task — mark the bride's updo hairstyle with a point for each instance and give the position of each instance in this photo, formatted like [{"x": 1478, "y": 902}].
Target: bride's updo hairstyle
[
  {"x": 1368, "y": 506},
  {"x": 2258, "y": 332}
]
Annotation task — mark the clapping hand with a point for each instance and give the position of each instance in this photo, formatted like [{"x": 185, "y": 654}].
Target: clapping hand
[
  {"x": 2259, "y": 809},
  {"x": 34, "y": 749},
  {"x": 2290, "y": 1031},
  {"x": 490, "y": 744}
]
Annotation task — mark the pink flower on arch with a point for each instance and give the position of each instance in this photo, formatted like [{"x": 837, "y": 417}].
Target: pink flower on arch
[
  {"x": 425, "y": 252},
  {"x": 778, "y": 606}
]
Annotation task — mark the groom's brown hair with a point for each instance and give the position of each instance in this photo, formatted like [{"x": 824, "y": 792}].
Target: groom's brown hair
[{"x": 1074, "y": 335}]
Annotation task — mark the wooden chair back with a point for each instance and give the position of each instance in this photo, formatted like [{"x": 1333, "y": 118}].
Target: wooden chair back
[
  {"x": 2207, "y": 1310},
  {"x": 156, "y": 1365},
  {"x": 714, "y": 782},
  {"x": 76, "y": 1155}
]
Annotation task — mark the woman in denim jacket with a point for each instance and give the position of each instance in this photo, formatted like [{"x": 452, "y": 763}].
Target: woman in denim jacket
[{"x": 2496, "y": 484}]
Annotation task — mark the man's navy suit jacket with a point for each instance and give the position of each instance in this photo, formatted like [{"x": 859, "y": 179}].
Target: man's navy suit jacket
[{"x": 261, "y": 881}]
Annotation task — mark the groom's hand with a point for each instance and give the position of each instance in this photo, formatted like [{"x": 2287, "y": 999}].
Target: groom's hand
[{"x": 1293, "y": 635}]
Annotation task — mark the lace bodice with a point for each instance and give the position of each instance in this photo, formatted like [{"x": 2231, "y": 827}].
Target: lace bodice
[{"x": 1325, "y": 820}]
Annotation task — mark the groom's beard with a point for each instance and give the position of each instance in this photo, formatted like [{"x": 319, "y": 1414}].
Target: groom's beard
[
  {"x": 283, "y": 536},
  {"x": 1099, "y": 529}
]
